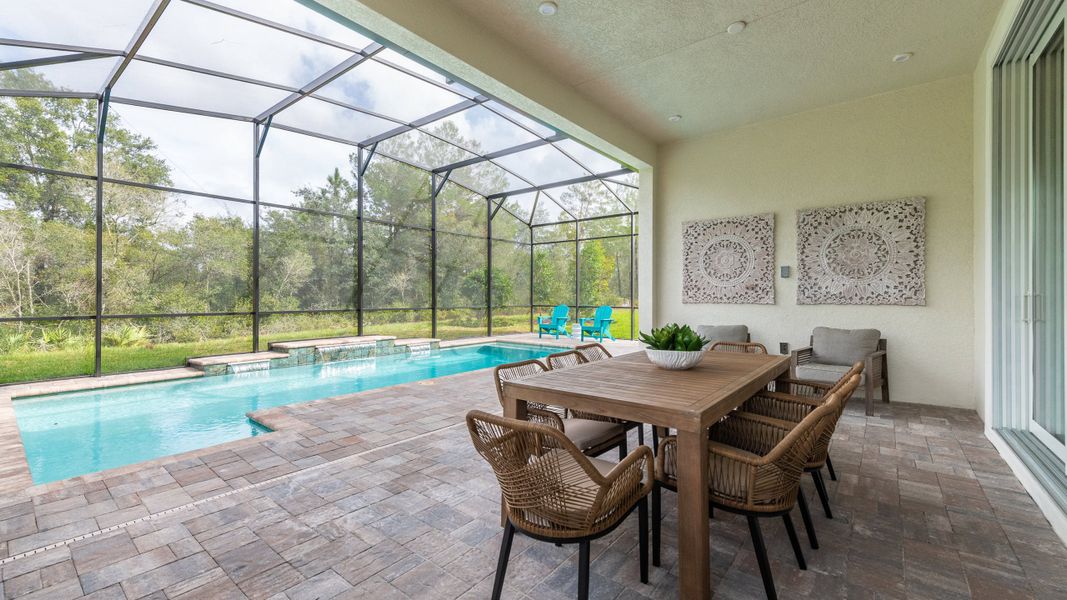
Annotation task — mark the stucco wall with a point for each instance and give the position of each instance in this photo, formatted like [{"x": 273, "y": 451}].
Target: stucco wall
[{"x": 911, "y": 142}]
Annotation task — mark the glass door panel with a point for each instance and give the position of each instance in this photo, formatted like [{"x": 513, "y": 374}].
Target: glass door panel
[{"x": 1046, "y": 305}]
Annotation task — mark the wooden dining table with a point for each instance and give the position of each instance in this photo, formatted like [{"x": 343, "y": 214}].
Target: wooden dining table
[{"x": 632, "y": 388}]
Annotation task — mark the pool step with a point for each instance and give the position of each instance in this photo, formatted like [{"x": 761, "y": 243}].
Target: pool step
[
  {"x": 417, "y": 346},
  {"x": 222, "y": 364}
]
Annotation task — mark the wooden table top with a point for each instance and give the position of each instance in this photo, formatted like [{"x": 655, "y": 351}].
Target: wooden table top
[{"x": 631, "y": 387}]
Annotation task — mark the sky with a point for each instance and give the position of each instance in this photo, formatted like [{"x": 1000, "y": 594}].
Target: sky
[{"x": 214, "y": 155}]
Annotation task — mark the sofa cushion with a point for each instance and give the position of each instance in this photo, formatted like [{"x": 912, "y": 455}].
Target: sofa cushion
[
  {"x": 824, "y": 372},
  {"x": 723, "y": 333},
  {"x": 843, "y": 346}
]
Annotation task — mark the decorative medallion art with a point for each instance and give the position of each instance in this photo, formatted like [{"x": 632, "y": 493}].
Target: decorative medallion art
[
  {"x": 729, "y": 261},
  {"x": 873, "y": 253}
]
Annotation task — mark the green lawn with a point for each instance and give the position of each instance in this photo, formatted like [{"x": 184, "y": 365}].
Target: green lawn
[
  {"x": 35, "y": 365},
  {"x": 31, "y": 366}
]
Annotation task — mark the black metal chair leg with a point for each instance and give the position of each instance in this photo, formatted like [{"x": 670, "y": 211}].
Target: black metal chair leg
[
  {"x": 642, "y": 537},
  {"x": 656, "y": 524},
  {"x": 830, "y": 468},
  {"x": 805, "y": 515},
  {"x": 795, "y": 541},
  {"x": 641, "y": 435},
  {"x": 761, "y": 557},
  {"x": 622, "y": 449},
  {"x": 820, "y": 486},
  {"x": 502, "y": 561},
  {"x": 655, "y": 439},
  {"x": 583, "y": 570}
]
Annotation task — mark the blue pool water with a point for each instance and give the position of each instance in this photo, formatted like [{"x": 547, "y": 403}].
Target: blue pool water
[{"x": 81, "y": 432}]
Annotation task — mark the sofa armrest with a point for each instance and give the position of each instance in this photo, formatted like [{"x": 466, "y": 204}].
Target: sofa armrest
[
  {"x": 873, "y": 365},
  {"x": 800, "y": 356}
]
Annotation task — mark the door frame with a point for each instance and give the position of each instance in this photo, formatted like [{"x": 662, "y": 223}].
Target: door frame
[{"x": 1033, "y": 307}]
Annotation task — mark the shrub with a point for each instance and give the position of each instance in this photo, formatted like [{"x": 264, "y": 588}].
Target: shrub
[
  {"x": 14, "y": 342},
  {"x": 127, "y": 336},
  {"x": 56, "y": 337}
]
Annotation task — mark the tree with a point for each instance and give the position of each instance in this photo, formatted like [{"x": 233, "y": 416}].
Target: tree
[
  {"x": 503, "y": 287},
  {"x": 595, "y": 270},
  {"x": 553, "y": 277},
  {"x": 56, "y": 212}
]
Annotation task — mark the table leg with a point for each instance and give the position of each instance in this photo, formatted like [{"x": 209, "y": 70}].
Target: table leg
[
  {"x": 694, "y": 568},
  {"x": 780, "y": 383},
  {"x": 514, "y": 408}
]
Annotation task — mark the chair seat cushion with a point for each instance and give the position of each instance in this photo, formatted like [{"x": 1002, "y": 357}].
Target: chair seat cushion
[
  {"x": 572, "y": 475},
  {"x": 824, "y": 372},
  {"x": 604, "y": 466},
  {"x": 723, "y": 333},
  {"x": 843, "y": 346},
  {"x": 587, "y": 433}
]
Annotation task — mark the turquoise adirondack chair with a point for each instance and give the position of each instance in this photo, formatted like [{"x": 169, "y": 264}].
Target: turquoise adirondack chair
[
  {"x": 557, "y": 323},
  {"x": 599, "y": 325}
]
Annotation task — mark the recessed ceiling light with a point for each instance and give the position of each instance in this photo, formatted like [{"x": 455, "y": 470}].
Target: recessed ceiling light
[
  {"x": 548, "y": 8},
  {"x": 674, "y": 118},
  {"x": 903, "y": 57},
  {"x": 736, "y": 27}
]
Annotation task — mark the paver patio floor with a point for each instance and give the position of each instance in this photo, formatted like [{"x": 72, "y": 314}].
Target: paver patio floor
[{"x": 381, "y": 495}]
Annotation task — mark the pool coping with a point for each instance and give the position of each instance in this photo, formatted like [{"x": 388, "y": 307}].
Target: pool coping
[{"x": 15, "y": 477}]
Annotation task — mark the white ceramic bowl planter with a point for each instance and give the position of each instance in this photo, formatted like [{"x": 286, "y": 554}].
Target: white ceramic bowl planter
[{"x": 674, "y": 360}]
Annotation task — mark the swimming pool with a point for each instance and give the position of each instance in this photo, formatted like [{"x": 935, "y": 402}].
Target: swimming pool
[{"x": 82, "y": 432}]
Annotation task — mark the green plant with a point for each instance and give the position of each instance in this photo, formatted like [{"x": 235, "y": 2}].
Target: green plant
[
  {"x": 127, "y": 336},
  {"x": 56, "y": 337},
  {"x": 14, "y": 342},
  {"x": 674, "y": 337}
]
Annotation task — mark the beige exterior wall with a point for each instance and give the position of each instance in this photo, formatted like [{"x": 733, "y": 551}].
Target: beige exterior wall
[{"x": 911, "y": 142}]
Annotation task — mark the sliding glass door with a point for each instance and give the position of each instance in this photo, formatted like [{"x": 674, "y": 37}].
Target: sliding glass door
[{"x": 1044, "y": 306}]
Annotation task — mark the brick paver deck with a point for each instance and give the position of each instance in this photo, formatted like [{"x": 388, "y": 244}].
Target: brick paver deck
[{"x": 380, "y": 495}]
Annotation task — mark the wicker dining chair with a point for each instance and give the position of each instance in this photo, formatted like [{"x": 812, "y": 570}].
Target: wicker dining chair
[
  {"x": 573, "y": 358},
  {"x": 804, "y": 387},
  {"x": 593, "y": 352},
  {"x": 554, "y": 493},
  {"x": 745, "y": 347},
  {"x": 755, "y": 464},
  {"x": 565, "y": 360},
  {"x": 593, "y": 436},
  {"x": 802, "y": 397}
]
